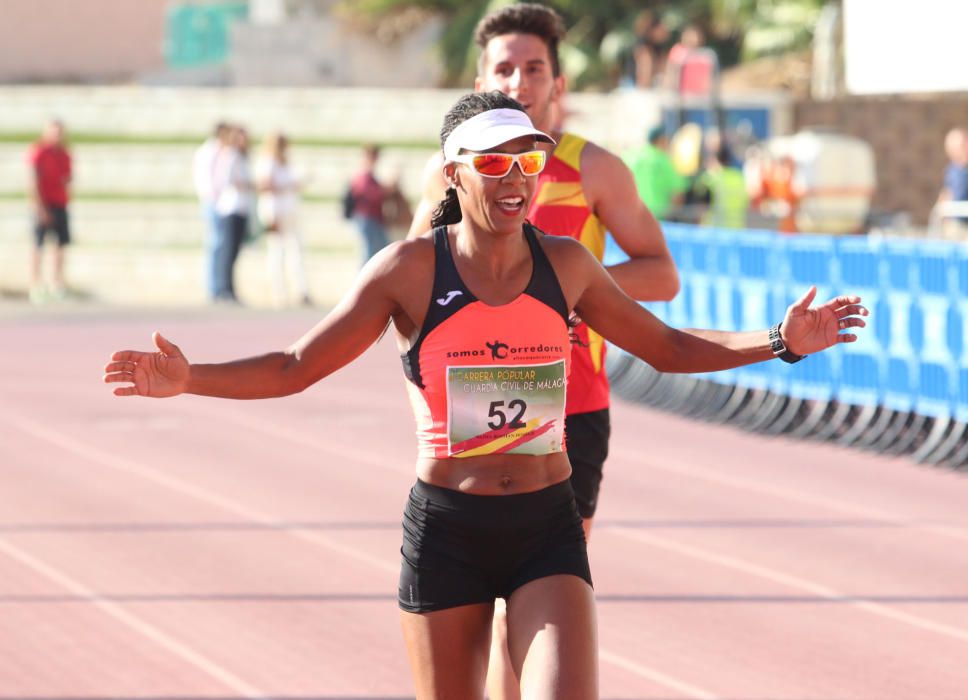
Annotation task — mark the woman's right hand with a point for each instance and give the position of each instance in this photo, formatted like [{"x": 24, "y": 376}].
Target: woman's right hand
[{"x": 155, "y": 374}]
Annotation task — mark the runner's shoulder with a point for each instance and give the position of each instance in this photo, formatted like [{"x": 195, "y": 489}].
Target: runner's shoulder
[
  {"x": 433, "y": 185},
  {"x": 562, "y": 249},
  {"x": 603, "y": 172},
  {"x": 572, "y": 262},
  {"x": 598, "y": 159},
  {"x": 413, "y": 251}
]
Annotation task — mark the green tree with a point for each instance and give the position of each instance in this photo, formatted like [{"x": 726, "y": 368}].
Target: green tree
[{"x": 600, "y": 31}]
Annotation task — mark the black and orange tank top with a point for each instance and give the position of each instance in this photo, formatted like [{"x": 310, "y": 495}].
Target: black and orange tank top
[
  {"x": 559, "y": 208},
  {"x": 490, "y": 379}
]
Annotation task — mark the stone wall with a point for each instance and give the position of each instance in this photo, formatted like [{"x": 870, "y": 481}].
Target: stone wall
[{"x": 907, "y": 135}]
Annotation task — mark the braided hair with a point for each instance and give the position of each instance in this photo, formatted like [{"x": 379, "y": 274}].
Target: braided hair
[{"x": 470, "y": 105}]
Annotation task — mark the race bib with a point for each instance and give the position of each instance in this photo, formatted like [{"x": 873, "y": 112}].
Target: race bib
[{"x": 506, "y": 409}]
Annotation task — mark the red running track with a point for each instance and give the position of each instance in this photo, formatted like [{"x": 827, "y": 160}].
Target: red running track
[{"x": 196, "y": 549}]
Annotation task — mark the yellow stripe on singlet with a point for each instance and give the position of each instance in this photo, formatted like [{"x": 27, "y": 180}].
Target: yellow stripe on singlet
[
  {"x": 596, "y": 347},
  {"x": 562, "y": 194},
  {"x": 569, "y": 150},
  {"x": 592, "y": 236}
]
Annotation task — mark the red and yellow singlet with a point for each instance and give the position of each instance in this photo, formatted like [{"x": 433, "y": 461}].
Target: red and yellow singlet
[
  {"x": 559, "y": 208},
  {"x": 490, "y": 379}
]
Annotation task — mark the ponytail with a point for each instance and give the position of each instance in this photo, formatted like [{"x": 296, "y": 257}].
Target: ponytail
[{"x": 447, "y": 211}]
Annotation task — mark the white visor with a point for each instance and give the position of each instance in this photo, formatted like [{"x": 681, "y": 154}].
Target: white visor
[{"x": 489, "y": 129}]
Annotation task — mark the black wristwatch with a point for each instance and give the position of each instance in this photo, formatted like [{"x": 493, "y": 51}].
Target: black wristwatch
[{"x": 779, "y": 349}]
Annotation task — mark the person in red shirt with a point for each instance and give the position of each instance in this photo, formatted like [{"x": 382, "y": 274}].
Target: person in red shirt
[
  {"x": 368, "y": 198},
  {"x": 50, "y": 177},
  {"x": 691, "y": 66}
]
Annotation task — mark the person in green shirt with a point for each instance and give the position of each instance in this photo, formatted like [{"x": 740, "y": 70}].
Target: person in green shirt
[
  {"x": 728, "y": 198},
  {"x": 660, "y": 186}
]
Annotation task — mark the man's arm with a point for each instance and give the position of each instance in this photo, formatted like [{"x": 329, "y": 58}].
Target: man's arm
[
  {"x": 650, "y": 273},
  {"x": 432, "y": 191}
]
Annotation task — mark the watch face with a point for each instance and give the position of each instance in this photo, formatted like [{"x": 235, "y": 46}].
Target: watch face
[{"x": 776, "y": 343}]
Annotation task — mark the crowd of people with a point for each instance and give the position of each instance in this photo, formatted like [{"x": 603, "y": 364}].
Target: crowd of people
[
  {"x": 661, "y": 57},
  {"x": 231, "y": 192},
  {"x": 728, "y": 184},
  {"x": 239, "y": 199}
]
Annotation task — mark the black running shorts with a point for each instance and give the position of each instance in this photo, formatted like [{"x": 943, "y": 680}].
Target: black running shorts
[
  {"x": 587, "y": 441},
  {"x": 461, "y": 549},
  {"x": 59, "y": 225}
]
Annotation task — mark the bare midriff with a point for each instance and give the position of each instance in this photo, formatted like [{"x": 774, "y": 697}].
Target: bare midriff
[{"x": 495, "y": 475}]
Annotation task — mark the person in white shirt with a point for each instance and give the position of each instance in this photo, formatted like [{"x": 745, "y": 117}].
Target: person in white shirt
[
  {"x": 206, "y": 168},
  {"x": 277, "y": 209},
  {"x": 233, "y": 207}
]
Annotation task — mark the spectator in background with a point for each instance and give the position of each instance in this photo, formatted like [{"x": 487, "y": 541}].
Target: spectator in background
[
  {"x": 691, "y": 66},
  {"x": 649, "y": 51},
  {"x": 233, "y": 206},
  {"x": 660, "y": 185},
  {"x": 208, "y": 168},
  {"x": 368, "y": 199},
  {"x": 50, "y": 177},
  {"x": 783, "y": 191},
  {"x": 955, "y": 183},
  {"x": 726, "y": 185},
  {"x": 278, "y": 209}
]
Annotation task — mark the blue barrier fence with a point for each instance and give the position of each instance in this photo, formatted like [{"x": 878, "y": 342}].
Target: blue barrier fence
[{"x": 911, "y": 360}]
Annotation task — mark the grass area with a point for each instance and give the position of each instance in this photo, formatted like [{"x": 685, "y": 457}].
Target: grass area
[
  {"x": 180, "y": 246},
  {"x": 82, "y": 242},
  {"x": 150, "y": 197},
  {"x": 90, "y": 138}
]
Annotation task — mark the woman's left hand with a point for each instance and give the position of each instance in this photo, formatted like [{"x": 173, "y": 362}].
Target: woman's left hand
[{"x": 807, "y": 330}]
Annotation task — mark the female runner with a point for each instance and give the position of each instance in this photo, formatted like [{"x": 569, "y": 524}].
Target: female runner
[{"x": 482, "y": 307}]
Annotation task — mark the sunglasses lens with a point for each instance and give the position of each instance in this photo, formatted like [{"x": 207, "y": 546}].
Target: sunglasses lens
[
  {"x": 532, "y": 163},
  {"x": 493, "y": 164}
]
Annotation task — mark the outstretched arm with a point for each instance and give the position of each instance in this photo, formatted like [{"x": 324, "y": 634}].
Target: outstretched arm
[
  {"x": 805, "y": 329},
  {"x": 650, "y": 273},
  {"x": 343, "y": 335}
]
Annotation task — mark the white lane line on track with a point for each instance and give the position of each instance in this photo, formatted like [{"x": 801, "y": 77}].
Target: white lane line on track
[
  {"x": 41, "y": 432},
  {"x": 788, "y": 580},
  {"x": 788, "y": 494},
  {"x": 347, "y": 452},
  {"x": 662, "y": 679},
  {"x": 188, "y": 489},
  {"x": 136, "y": 624}
]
